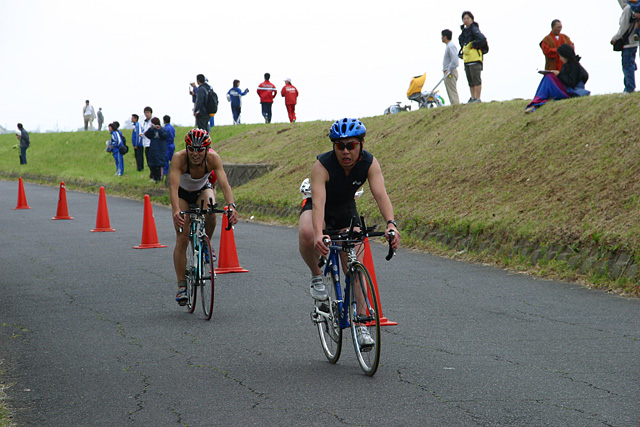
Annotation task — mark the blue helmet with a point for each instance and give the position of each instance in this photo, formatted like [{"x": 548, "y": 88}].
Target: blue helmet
[{"x": 346, "y": 128}]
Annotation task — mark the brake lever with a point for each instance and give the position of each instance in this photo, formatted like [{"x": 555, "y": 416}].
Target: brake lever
[
  {"x": 323, "y": 260},
  {"x": 391, "y": 253},
  {"x": 181, "y": 215},
  {"x": 228, "y": 213}
]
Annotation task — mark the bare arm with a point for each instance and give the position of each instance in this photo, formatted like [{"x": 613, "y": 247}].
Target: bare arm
[
  {"x": 215, "y": 163},
  {"x": 379, "y": 191},
  {"x": 319, "y": 178},
  {"x": 178, "y": 167}
]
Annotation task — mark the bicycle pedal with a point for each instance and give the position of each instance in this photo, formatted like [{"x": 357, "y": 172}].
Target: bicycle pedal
[{"x": 323, "y": 306}]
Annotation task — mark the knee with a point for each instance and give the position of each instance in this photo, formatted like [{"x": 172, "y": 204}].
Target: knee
[{"x": 305, "y": 236}]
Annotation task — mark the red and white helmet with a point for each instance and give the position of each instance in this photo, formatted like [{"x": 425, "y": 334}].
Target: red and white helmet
[{"x": 198, "y": 138}]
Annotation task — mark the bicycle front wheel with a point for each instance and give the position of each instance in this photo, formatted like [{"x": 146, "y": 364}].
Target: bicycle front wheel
[
  {"x": 364, "y": 319},
  {"x": 190, "y": 276},
  {"x": 328, "y": 321},
  {"x": 207, "y": 277}
]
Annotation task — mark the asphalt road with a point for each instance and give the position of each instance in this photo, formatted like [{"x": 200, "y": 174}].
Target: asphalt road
[{"x": 91, "y": 335}]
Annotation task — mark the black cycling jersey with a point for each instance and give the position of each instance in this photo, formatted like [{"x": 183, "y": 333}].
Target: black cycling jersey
[{"x": 341, "y": 188}]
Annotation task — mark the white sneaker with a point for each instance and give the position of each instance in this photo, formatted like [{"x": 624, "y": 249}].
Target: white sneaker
[
  {"x": 365, "y": 341},
  {"x": 318, "y": 289}
]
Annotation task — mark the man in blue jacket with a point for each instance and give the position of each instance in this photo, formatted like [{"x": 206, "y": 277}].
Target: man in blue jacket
[
  {"x": 234, "y": 96},
  {"x": 171, "y": 147},
  {"x": 136, "y": 142}
]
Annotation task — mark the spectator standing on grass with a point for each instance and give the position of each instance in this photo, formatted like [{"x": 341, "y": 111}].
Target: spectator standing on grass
[
  {"x": 234, "y": 96},
  {"x": 171, "y": 147},
  {"x": 290, "y": 94},
  {"x": 145, "y": 126},
  {"x": 136, "y": 141},
  {"x": 550, "y": 44},
  {"x": 100, "y": 118},
  {"x": 23, "y": 137},
  {"x": 200, "y": 111},
  {"x": 471, "y": 41},
  {"x": 157, "y": 136},
  {"x": 625, "y": 30},
  {"x": 266, "y": 92},
  {"x": 89, "y": 115},
  {"x": 212, "y": 116},
  {"x": 113, "y": 147},
  {"x": 450, "y": 67}
]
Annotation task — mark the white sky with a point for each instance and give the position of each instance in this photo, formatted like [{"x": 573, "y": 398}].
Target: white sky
[{"x": 347, "y": 58}]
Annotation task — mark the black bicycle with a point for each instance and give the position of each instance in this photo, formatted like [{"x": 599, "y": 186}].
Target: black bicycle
[{"x": 200, "y": 272}]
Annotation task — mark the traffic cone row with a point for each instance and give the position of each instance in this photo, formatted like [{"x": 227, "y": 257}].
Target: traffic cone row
[{"x": 228, "y": 258}]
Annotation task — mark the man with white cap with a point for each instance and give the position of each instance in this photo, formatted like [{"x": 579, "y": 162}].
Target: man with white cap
[{"x": 290, "y": 94}]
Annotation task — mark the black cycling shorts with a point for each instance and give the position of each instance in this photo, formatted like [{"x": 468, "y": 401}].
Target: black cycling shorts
[
  {"x": 335, "y": 218},
  {"x": 191, "y": 197}
]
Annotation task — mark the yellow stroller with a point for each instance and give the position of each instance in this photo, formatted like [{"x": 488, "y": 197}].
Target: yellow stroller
[{"x": 424, "y": 99}]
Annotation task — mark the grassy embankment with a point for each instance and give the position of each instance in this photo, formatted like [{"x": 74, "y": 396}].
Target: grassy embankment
[{"x": 566, "y": 174}]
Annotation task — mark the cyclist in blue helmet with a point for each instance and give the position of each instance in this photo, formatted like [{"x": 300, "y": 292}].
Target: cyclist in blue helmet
[{"x": 335, "y": 177}]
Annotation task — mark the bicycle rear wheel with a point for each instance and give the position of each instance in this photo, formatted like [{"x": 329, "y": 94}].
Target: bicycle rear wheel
[
  {"x": 328, "y": 321},
  {"x": 192, "y": 289},
  {"x": 207, "y": 277},
  {"x": 368, "y": 354}
]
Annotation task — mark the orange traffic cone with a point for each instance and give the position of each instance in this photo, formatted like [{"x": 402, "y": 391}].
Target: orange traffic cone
[
  {"x": 368, "y": 262},
  {"x": 102, "y": 220},
  {"x": 149, "y": 234},
  {"x": 63, "y": 212},
  {"x": 228, "y": 256},
  {"x": 22, "y": 198}
]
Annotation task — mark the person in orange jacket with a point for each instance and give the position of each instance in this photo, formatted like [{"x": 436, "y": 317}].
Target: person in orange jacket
[{"x": 290, "y": 94}]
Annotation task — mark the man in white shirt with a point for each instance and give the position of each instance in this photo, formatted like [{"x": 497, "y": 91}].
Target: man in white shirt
[
  {"x": 145, "y": 125},
  {"x": 89, "y": 115},
  {"x": 450, "y": 67}
]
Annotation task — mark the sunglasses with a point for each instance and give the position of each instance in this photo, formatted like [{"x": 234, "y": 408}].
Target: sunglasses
[
  {"x": 199, "y": 150},
  {"x": 348, "y": 145}
]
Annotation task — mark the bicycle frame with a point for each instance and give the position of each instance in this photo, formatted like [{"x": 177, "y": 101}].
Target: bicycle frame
[{"x": 333, "y": 267}]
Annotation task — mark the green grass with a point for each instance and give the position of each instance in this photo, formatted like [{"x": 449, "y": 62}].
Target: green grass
[{"x": 566, "y": 174}]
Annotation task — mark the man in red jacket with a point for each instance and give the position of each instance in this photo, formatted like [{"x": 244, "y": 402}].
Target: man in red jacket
[
  {"x": 550, "y": 44},
  {"x": 290, "y": 94},
  {"x": 266, "y": 91}
]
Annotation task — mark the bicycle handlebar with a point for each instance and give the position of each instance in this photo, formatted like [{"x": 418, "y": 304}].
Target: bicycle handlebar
[
  {"x": 211, "y": 208},
  {"x": 351, "y": 235}
]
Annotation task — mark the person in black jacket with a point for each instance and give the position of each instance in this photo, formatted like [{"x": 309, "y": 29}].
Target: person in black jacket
[
  {"x": 471, "y": 42},
  {"x": 566, "y": 83},
  {"x": 200, "y": 111}
]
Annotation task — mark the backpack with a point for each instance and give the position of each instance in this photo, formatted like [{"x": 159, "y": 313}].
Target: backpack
[
  {"x": 485, "y": 48},
  {"x": 211, "y": 103},
  {"x": 124, "y": 149}
]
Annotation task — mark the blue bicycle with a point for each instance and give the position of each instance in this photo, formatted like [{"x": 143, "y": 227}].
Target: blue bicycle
[{"x": 357, "y": 306}]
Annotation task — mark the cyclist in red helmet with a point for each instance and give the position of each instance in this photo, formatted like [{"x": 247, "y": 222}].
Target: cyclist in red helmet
[
  {"x": 189, "y": 184},
  {"x": 335, "y": 178}
]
